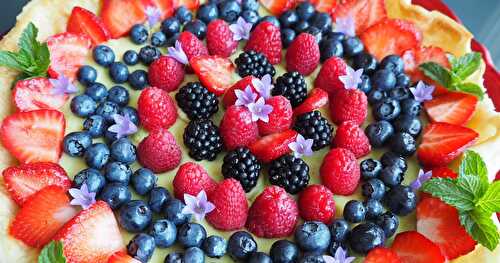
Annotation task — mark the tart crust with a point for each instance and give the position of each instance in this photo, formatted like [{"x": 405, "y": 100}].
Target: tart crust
[{"x": 51, "y": 16}]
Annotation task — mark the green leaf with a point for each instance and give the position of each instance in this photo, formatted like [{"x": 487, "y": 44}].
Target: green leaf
[
  {"x": 483, "y": 230},
  {"x": 472, "y": 185},
  {"x": 437, "y": 73},
  {"x": 10, "y": 59},
  {"x": 473, "y": 175},
  {"x": 466, "y": 65},
  {"x": 447, "y": 190},
  {"x": 52, "y": 253},
  {"x": 471, "y": 88},
  {"x": 27, "y": 41},
  {"x": 490, "y": 201}
]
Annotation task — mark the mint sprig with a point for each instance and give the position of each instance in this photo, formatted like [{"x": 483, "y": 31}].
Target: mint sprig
[
  {"x": 455, "y": 79},
  {"x": 52, "y": 253},
  {"x": 473, "y": 196}
]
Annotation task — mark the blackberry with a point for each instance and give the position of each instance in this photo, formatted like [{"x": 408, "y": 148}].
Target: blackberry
[
  {"x": 292, "y": 86},
  {"x": 255, "y": 64},
  {"x": 203, "y": 140},
  {"x": 196, "y": 101},
  {"x": 289, "y": 172},
  {"x": 313, "y": 126},
  {"x": 243, "y": 166}
]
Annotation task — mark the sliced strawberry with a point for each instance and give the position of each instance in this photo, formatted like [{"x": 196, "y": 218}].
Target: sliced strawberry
[
  {"x": 166, "y": 6},
  {"x": 317, "y": 99},
  {"x": 391, "y": 36},
  {"x": 68, "y": 52},
  {"x": 34, "y": 136},
  {"x": 189, "y": 4},
  {"x": 325, "y": 6},
  {"x": 83, "y": 21},
  {"x": 277, "y": 7},
  {"x": 215, "y": 73},
  {"x": 27, "y": 179},
  {"x": 453, "y": 108},
  {"x": 92, "y": 235},
  {"x": 42, "y": 215},
  {"x": 122, "y": 257},
  {"x": 439, "y": 222},
  {"x": 366, "y": 13},
  {"x": 382, "y": 255},
  {"x": 120, "y": 15},
  {"x": 443, "y": 142},
  {"x": 273, "y": 146},
  {"x": 230, "y": 96},
  {"x": 413, "y": 247},
  {"x": 35, "y": 94}
]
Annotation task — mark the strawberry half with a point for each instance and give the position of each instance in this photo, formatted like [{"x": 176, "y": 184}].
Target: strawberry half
[
  {"x": 35, "y": 94},
  {"x": 34, "y": 136},
  {"x": 122, "y": 257},
  {"x": 120, "y": 15},
  {"x": 230, "y": 95},
  {"x": 92, "y": 235},
  {"x": 215, "y": 73},
  {"x": 443, "y": 142},
  {"x": 189, "y": 4},
  {"x": 382, "y": 255},
  {"x": 413, "y": 247},
  {"x": 27, "y": 179},
  {"x": 68, "y": 52},
  {"x": 273, "y": 146},
  {"x": 277, "y": 7},
  {"x": 166, "y": 7},
  {"x": 366, "y": 13},
  {"x": 317, "y": 99},
  {"x": 83, "y": 21},
  {"x": 453, "y": 108},
  {"x": 325, "y": 6},
  {"x": 42, "y": 215}
]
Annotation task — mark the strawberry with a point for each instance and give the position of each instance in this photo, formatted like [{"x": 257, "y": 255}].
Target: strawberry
[
  {"x": 167, "y": 7},
  {"x": 215, "y": 73},
  {"x": 266, "y": 39},
  {"x": 231, "y": 206},
  {"x": 68, "y": 52},
  {"x": 122, "y": 257},
  {"x": 348, "y": 105},
  {"x": 316, "y": 204},
  {"x": 230, "y": 97},
  {"x": 325, "y": 6},
  {"x": 274, "y": 213},
  {"x": 439, "y": 223},
  {"x": 35, "y": 94},
  {"x": 280, "y": 119},
  {"x": 443, "y": 142},
  {"x": 34, "y": 136},
  {"x": 303, "y": 54},
  {"x": 350, "y": 136},
  {"x": 166, "y": 73},
  {"x": 156, "y": 109},
  {"x": 273, "y": 146},
  {"x": 453, "y": 108},
  {"x": 83, "y": 21},
  {"x": 237, "y": 128},
  {"x": 191, "y": 45},
  {"x": 328, "y": 76},
  {"x": 120, "y": 15},
  {"x": 365, "y": 13},
  {"x": 413, "y": 247},
  {"x": 220, "y": 39},
  {"x": 382, "y": 255},
  {"x": 159, "y": 151},
  {"x": 42, "y": 215},
  {"x": 340, "y": 171},
  {"x": 25, "y": 180},
  {"x": 277, "y": 7},
  {"x": 189, "y": 4},
  {"x": 92, "y": 235},
  {"x": 191, "y": 178},
  {"x": 316, "y": 99},
  {"x": 391, "y": 36}
]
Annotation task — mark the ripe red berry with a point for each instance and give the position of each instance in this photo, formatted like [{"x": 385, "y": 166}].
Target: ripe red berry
[
  {"x": 266, "y": 39},
  {"x": 159, "y": 151},
  {"x": 340, "y": 171},
  {"x": 166, "y": 73},
  {"x": 348, "y": 105},
  {"x": 350, "y": 136},
  {"x": 328, "y": 76},
  {"x": 191, "y": 178},
  {"x": 230, "y": 97},
  {"x": 156, "y": 109},
  {"x": 237, "y": 128},
  {"x": 191, "y": 45},
  {"x": 316, "y": 204},
  {"x": 231, "y": 206},
  {"x": 220, "y": 39},
  {"x": 280, "y": 119},
  {"x": 303, "y": 54}
]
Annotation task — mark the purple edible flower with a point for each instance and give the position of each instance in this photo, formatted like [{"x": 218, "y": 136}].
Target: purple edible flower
[
  {"x": 301, "y": 146},
  {"x": 123, "y": 126},
  {"x": 82, "y": 196},
  {"x": 153, "y": 14},
  {"x": 197, "y": 205},
  {"x": 241, "y": 29},
  {"x": 422, "y": 92},
  {"x": 421, "y": 179},
  {"x": 260, "y": 110},
  {"x": 345, "y": 25},
  {"x": 244, "y": 98},
  {"x": 62, "y": 86},
  {"x": 178, "y": 53},
  {"x": 263, "y": 86},
  {"x": 340, "y": 257},
  {"x": 352, "y": 78}
]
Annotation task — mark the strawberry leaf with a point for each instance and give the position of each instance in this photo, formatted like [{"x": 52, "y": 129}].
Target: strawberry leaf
[
  {"x": 52, "y": 253},
  {"x": 447, "y": 190}
]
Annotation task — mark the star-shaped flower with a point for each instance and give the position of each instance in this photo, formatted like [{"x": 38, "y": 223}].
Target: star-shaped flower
[
  {"x": 153, "y": 14},
  {"x": 244, "y": 98},
  {"x": 82, "y": 196},
  {"x": 421, "y": 179},
  {"x": 123, "y": 126},
  {"x": 178, "y": 53},
  {"x": 346, "y": 25},
  {"x": 260, "y": 110},
  {"x": 241, "y": 29},
  {"x": 422, "y": 92},
  {"x": 263, "y": 86},
  {"x": 340, "y": 257},
  {"x": 301, "y": 146},
  {"x": 352, "y": 78},
  {"x": 197, "y": 205},
  {"x": 62, "y": 86}
]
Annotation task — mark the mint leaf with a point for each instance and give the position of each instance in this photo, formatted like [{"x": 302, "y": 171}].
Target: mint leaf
[
  {"x": 471, "y": 88},
  {"x": 11, "y": 60},
  {"x": 466, "y": 65},
  {"x": 437, "y": 73},
  {"x": 473, "y": 175},
  {"x": 484, "y": 230},
  {"x": 447, "y": 190},
  {"x": 490, "y": 202},
  {"x": 52, "y": 253}
]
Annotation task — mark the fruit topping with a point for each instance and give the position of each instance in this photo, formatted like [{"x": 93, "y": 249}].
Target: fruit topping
[
  {"x": 214, "y": 72},
  {"x": 119, "y": 16},
  {"x": 348, "y": 105},
  {"x": 220, "y": 38},
  {"x": 350, "y": 136},
  {"x": 453, "y": 108},
  {"x": 243, "y": 166},
  {"x": 68, "y": 52},
  {"x": 37, "y": 93},
  {"x": 156, "y": 109},
  {"x": 328, "y": 76},
  {"x": 290, "y": 173},
  {"x": 273, "y": 146},
  {"x": 317, "y": 99},
  {"x": 203, "y": 140},
  {"x": 340, "y": 172},
  {"x": 266, "y": 39},
  {"x": 231, "y": 206},
  {"x": 313, "y": 125},
  {"x": 83, "y": 21},
  {"x": 413, "y": 247},
  {"x": 237, "y": 128},
  {"x": 303, "y": 54},
  {"x": 159, "y": 151}
]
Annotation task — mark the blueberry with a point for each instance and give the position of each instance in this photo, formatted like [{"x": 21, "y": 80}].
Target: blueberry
[
  {"x": 373, "y": 208},
  {"x": 408, "y": 124},
  {"x": 143, "y": 181},
  {"x": 315, "y": 32},
  {"x": 339, "y": 229},
  {"x": 250, "y": 16},
  {"x": 94, "y": 180},
  {"x": 103, "y": 55},
  {"x": 172, "y": 211},
  {"x": 107, "y": 110},
  {"x": 284, "y": 251},
  {"x": 313, "y": 236},
  {"x": 135, "y": 216},
  {"x": 288, "y": 19},
  {"x": 115, "y": 194},
  {"x": 170, "y": 26},
  {"x": 329, "y": 48},
  {"x": 191, "y": 235},
  {"x": 118, "y": 172},
  {"x": 95, "y": 125},
  {"x": 139, "y": 34},
  {"x": 373, "y": 189},
  {"x": 386, "y": 110},
  {"x": 393, "y": 63},
  {"x": 379, "y": 132},
  {"x": 271, "y": 19},
  {"x": 352, "y": 46},
  {"x": 158, "y": 196},
  {"x": 183, "y": 15},
  {"x": 119, "y": 95},
  {"x": 164, "y": 232},
  {"x": 335, "y": 36},
  {"x": 148, "y": 54},
  {"x": 197, "y": 27},
  {"x": 87, "y": 75},
  {"x": 110, "y": 136},
  {"x": 97, "y": 91},
  {"x": 393, "y": 159},
  {"x": 83, "y": 105},
  {"x": 312, "y": 258},
  {"x": 194, "y": 255},
  {"x": 229, "y": 10},
  {"x": 391, "y": 176},
  {"x": 384, "y": 79},
  {"x": 365, "y": 61},
  {"x": 411, "y": 107},
  {"x": 214, "y": 246},
  {"x": 334, "y": 246},
  {"x": 389, "y": 222},
  {"x": 131, "y": 113},
  {"x": 365, "y": 237},
  {"x": 76, "y": 143},
  {"x": 402, "y": 80},
  {"x": 354, "y": 211},
  {"x": 370, "y": 168},
  {"x": 207, "y": 13},
  {"x": 138, "y": 79},
  {"x": 401, "y": 200},
  {"x": 123, "y": 150},
  {"x": 259, "y": 257},
  {"x": 301, "y": 26},
  {"x": 305, "y": 10},
  {"x": 322, "y": 21},
  {"x": 366, "y": 84},
  {"x": 375, "y": 96},
  {"x": 131, "y": 58},
  {"x": 287, "y": 37},
  {"x": 97, "y": 155},
  {"x": 158, "y": 39},
  {"x": 141, "y": 247},
  {"x": 399, "y": 93},
  {"x": 403, "y": 143},
  {"x": 174, "y": 257},
  {"x": 171, "y": 41},
  {"x": 250, "y": 5},
  {"x": 118, "y": 72},
  {"x": 241, "y": 245}
]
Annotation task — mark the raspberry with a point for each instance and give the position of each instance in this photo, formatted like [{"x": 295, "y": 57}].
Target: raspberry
[
  {"x": 166, "y": 73},
  {"x": 328, "y": 76},
  {"x": 266, "y": 39},
  {"x": 156, "y": 109},
  {"x": 350, "y": 136},
  {"x": 220, "y": 39},
  {"x": 237, "y": 128},
  {"x": 231, "y": 206},
  {"x": 348, "y": 105},
  {"x": 303, "y": 54},
  {"x": 191, "y": 178},
  {"x": 316, "y": 204},
  {"x": 280, "y": 119},
  {"x": 191, "y": 45},
  {"x": 159, "y": 151},
  {"x": 340, "y": 171}
]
